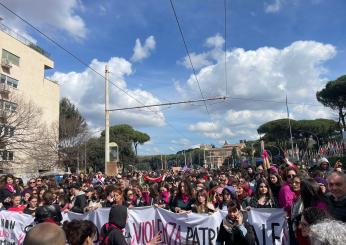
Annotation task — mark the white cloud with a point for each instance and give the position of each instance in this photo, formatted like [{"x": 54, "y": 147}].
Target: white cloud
[
  {"x": 198, "y": 60},
  {"x": 141, "y": 52},
  {"x": 182, "y": 141},
  {"x": 274, "y": 7},
  {"x": 47, "y": 15},
  {"x": 212, "y": 130},
  {"x": 258, "y": 83},
  {"x": 86, "y": 90},
  {"x": 216, "y": 41}
]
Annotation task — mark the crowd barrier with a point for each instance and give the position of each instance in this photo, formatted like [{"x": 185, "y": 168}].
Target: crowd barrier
[{"x": 176, "y": 229}]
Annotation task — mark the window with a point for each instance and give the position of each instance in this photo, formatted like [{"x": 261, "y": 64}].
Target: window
[
  {"x": 3, "y": 78},
  {"x": 12, "y": 58},
  {"x": 6, "y": 155},
  {"x": 7, "y": 131},
  {"x": 8, "y": 106},
  {"x": 9, "y": 81}
]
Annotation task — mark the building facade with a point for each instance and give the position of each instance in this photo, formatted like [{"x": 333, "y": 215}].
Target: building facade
[
  {"x": 29, "y": 105},
  {"x": 217, "y": 157}
]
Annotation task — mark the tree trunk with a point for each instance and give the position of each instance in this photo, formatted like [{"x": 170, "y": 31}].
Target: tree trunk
[{"x": 342, "y": 118}]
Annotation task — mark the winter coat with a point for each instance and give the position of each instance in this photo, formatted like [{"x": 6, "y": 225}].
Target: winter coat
[
  {"x": 231, "y": 233},
  {"x": 111, "y": 232}
]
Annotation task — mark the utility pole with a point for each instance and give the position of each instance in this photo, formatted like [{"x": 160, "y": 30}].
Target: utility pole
[
  {"x": 161, "y": 162},
  {"x": 85, "y": 158},
  {"x": 289, "y": 124},
  {"x": 106, "y": 119},
  {"x": 184, "y": 158}
]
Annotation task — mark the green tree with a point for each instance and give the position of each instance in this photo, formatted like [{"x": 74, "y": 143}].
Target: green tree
[
  {"x": 73, "y": 131},
  {"x": 139, "y": 138},
  {"x": 277, "y": 131},
  {"x": 334, "y": 96},
  {"x": 127, "y": 139}
]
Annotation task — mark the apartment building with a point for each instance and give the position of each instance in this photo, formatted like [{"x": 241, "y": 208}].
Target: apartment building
[{"x": 28, "y": 101}]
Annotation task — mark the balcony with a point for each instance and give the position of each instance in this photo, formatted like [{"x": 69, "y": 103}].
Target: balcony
[
  {"x": 5, "y": 63},
  {"x": 23, "y": 40},
  {"x": 3, "y": 115},
  {"x": 4, "y": 90}
]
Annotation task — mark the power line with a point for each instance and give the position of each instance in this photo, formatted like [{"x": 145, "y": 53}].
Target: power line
[
  {"x": 67, "y": 51},
  {"x": 188, "y": 54},
  {"x": 167, "y": 104},
  {"x": 269, "y": 101},
  {"x": 83, "y": 63}
]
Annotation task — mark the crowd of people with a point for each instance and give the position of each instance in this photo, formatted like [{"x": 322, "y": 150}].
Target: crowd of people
[{"x": 312, "y": 199}]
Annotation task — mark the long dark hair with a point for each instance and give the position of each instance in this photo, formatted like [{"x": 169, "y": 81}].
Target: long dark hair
[
  {"x": 187, "y": 188},
  {"x": 310, "y": 192},
  {"x": 263, "y": 181}
]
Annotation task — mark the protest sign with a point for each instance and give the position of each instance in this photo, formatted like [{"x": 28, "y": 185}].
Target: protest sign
[
  {"x": 188, "y": 228},
  {"x": 270, "y": 225},
  {"x": 12, "y": 225}
]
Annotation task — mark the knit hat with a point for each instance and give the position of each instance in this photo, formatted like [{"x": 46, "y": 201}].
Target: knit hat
[{"x": 322, "y": 160}]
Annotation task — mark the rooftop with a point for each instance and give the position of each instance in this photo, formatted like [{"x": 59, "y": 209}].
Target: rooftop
[{"x": 23, "y": 40}]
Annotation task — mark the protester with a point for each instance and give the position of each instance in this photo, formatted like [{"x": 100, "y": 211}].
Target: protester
[
  {"x": 80, "y": 232},
  {"x": 183, "y": 200},
  {"x": 328, "y": 232},
  {"x": 112, "y": 232},
  {"x": 311, "y": 216},
  {"x": 263, "y": 197},
  {"x": 45, "y": 234},
  {"x": 324, "y": 166},
  {"x": 275, "y": 183},
  {"x": 235, "y": 229},
  {"x": 337, "y": 197},
  {"x": 15, "y": 204},
  {"x": 79, "y": 201},
  {"x": 286, "y": 194},
  {"x": 31, "y": 207},
  {"x": 202, "y": 205}
]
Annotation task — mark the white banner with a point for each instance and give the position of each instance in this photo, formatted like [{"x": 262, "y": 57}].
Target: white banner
[
  {"x": 12, "y": 225},
  {"x": 270, "y": 225},
  {"x": 143, "y": 223}
]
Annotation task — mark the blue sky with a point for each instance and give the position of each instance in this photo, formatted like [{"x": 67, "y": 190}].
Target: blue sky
[{"x": 274, "y": 48}]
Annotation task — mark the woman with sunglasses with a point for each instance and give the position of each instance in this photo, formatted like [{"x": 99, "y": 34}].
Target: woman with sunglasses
[{"x": 286, "y": 194}]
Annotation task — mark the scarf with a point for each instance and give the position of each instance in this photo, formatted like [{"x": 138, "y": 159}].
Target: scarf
[
  {"x": 185, "y": 198},
  {"x": 146, "y": 197},
  {"x": 229, "y": 224},
  {"x": 165, "y": 196},
  {"x": 10, "y": 188}
]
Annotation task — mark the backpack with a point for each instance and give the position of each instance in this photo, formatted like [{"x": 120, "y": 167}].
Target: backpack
[{"x": 105, "y": 232}]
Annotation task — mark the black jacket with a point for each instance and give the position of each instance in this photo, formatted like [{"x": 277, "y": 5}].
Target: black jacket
[
  {"x": 111, "y": 232},
  {"x": 80, "y": 203},
  {"x": 235, "y": 236},
  {"x": 337, "y": 208}
]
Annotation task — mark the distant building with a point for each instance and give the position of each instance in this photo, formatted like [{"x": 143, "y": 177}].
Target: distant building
[
  {"x": 23, "y": 66},
  {"x": 215, "y": 157}
]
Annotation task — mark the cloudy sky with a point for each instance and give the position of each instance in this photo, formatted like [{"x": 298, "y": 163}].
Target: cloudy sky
[{"x": 273, "y": 48}]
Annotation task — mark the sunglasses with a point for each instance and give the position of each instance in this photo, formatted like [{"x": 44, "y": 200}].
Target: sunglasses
[
  {"x": 32, "y": 182},
  {"x": 291, "y": 176}
]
